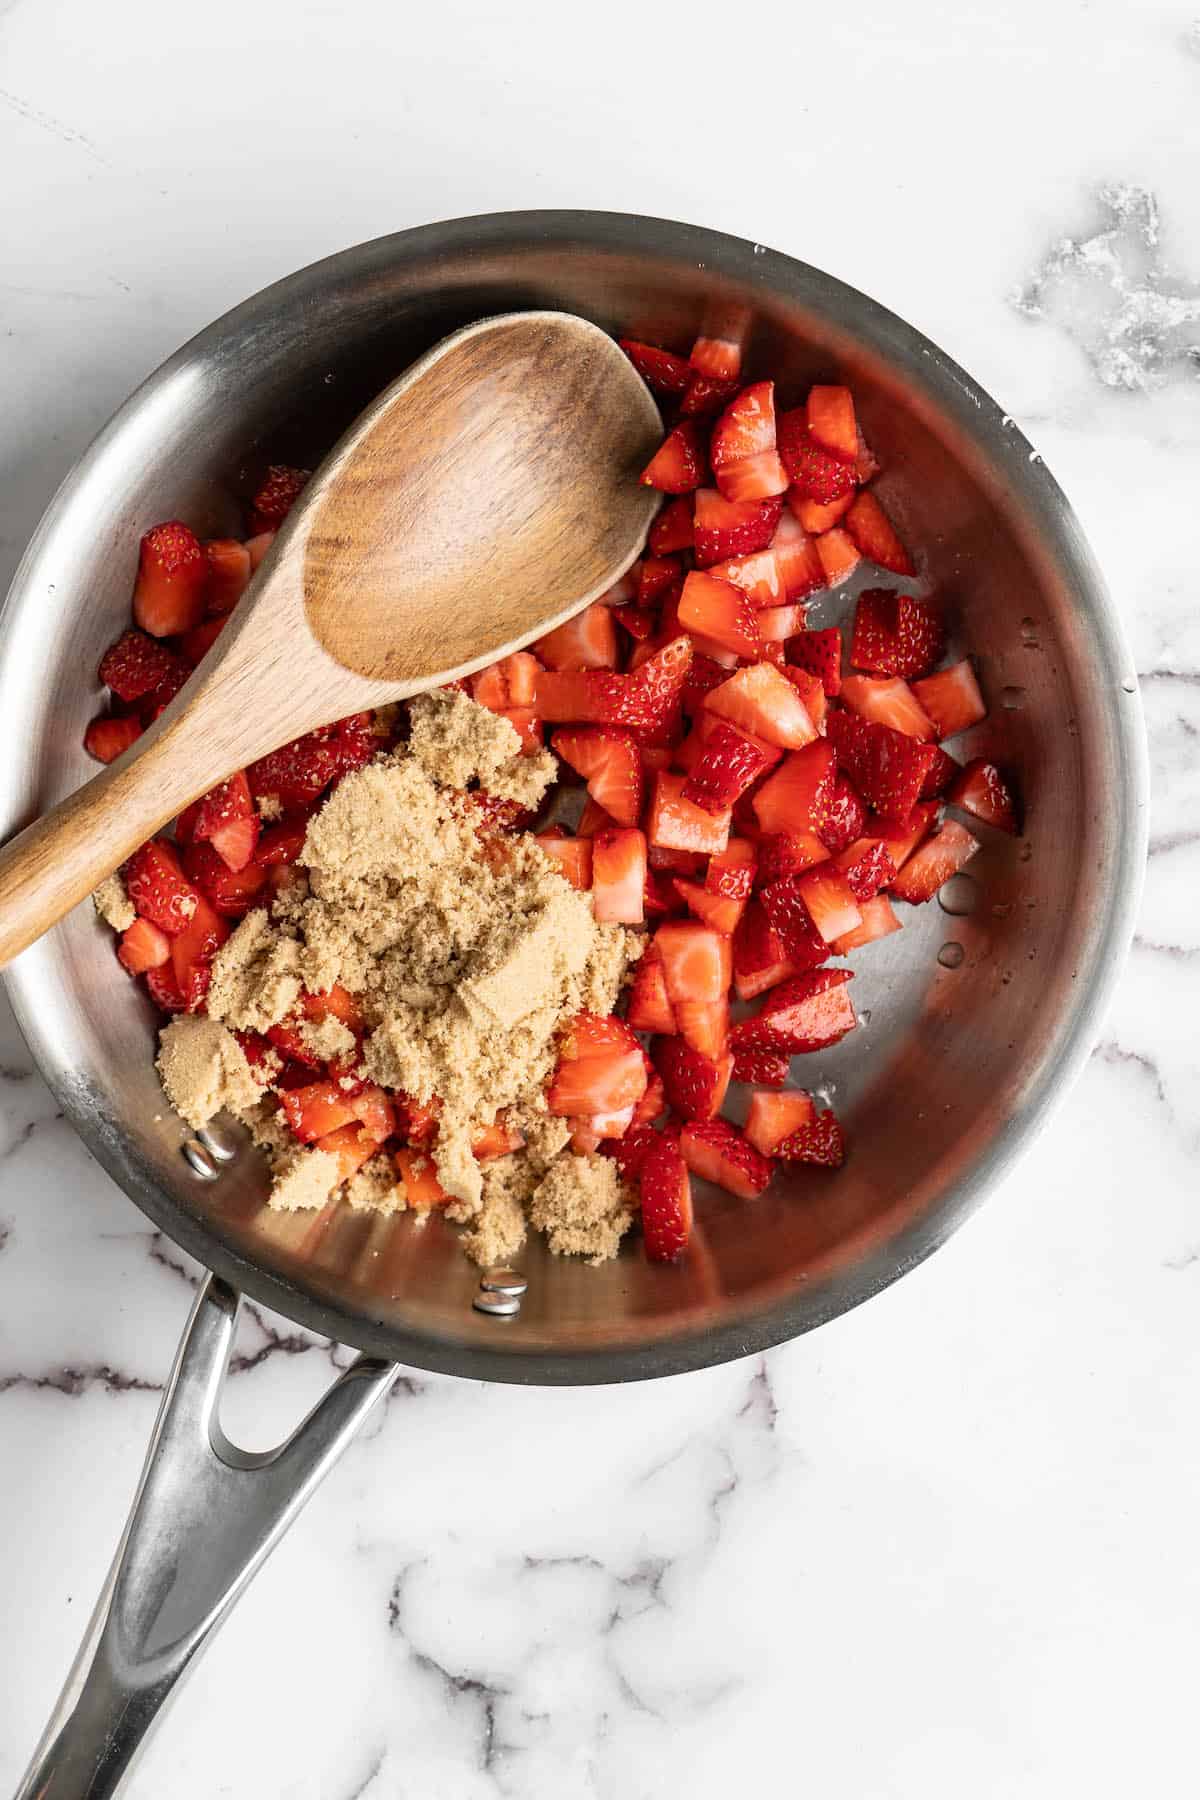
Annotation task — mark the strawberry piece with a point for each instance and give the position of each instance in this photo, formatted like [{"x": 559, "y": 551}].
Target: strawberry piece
[
  {"x": 158, "y": 701},
  {"x": 796, "y": 798},
  {"x": 297, "y": 773},
  {"x": 226, "y": 815},
  {"x": 829, "y": 412},
  {"x": 676, "y": 823},
  {"x": 677, "y": 862},
  {"x": 720, "y": 611},
  {"x": 672, "y": 530},
  {"x": 661, "y": 900},
  {"x": 159, "y": 889},
  {"x": 717, "y": 1152},
  {"x": 822, "y": 1142},
  {"x": 258, "y": 546},
  {"x": 759, "y": 961},
  {"x": 704, "y": 1024},
  {"x": 706, "y": 396},
  {"x": 719, "y": 350},
  {"x": 422, "y": 1189},
  {"x": 942, "y": 771},
  {"x": 878, "y": 920},
  {"x": 817, "y": 517},
  {"x": 276, "y": 497},
  {"x": 508, "y": 684},
  {"x": 952, "y": 699},
  {"x": 791, "y": 918},
  {"x": 704, "y": 674},
  {"x": 592, "y": 819},
  {"x": 820, "y": 654},
  {"x": 666, "y": 1200},
  {"x": 769, "y": 1068},
  {"x": 193, "y": 949},
  {"x": 896, "y": 634},
  {"x": 934, "y": 863},
  {"x": 600, "y": 1069},
  {"x": 135, "y": 665},
  {"x": 875, "y": 536},
  {"x": 830, "y": 901},
  {"x": 725, "y": 528},
  {"x": 106, "y": 739},
  {"x": 678, "y": 465},
  {"x": 497, "y": 1139},
  {"x": 742, "y": 451},
  {"x": 838, "y": 554},
  {"x": 902, "y": 838},
  {"x": 809, "y": 1012},
  {"x": 280, "y": 845},
  {"x": 695, "y": 1085},
  {"x": 653, "y": 1103},
  {"x": 630, "y": 1151},
  {"x": 695, "y": 959},
  {"x": 885, "y": 766},
  {"x": 638, "y": 621},
  {"x": 168, "y": 595},
  {"x": 231, "y": 892},
  {"x": 572, "y": 854},
  {"x": 776, "y": 624},
  {"x": 814, "y": 472},
  {"x": 731, "y": 871},
  {"x": 528, "y": 728},
  {"x": 761, "y": 701},
  {"x": 773, "y": 1117},
  {"x": 718, "y": 910},
  {"x": 844, "y": 819},
  {"x": 315, "y": 1110},
  {"x": 981, "y": 790},
  {"x": 649, "y": 1007},
  {"x": 661, "y": 371},
  {"x": 588, "y": 641},
  {"x": 867, "y": 865},
  {"x": 888, "y": 703},
  {"x": 796, "y": 559},
  {"x": 229, "y": 574},
  {"x": 758, "y": 577},
  {"x": 195, "y": 644},
  {"x": 375, "y": 1112},
  {"x": 648, "y": 701},
  {"x": 285, "y": 1036},
  {"x": 619, "y": 877},
  {"x": 783, "y": 853},
  {"x": 335, "y": 1002},
  {"x": 655, "y": 575},
  {"x": 164, "y": 990},
  {"x": 143, "y": 946},
  {"x": 609, "y": 763},
  {"x": 729, "y": 765},
  {"x": 753, "y": 477}
]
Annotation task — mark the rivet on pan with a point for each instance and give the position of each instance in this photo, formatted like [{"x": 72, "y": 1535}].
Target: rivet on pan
[
  {"x": 199, "y": 1159},
  {"x": 503, "y": 1281},
  {"x": 497, "y": 1306},
  {"x": 216, "y": 1146}
]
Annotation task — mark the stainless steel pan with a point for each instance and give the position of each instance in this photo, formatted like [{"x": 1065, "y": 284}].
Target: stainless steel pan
[{"x": 955, "y": 1070}]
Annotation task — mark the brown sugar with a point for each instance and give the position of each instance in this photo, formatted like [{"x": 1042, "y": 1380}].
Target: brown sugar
[
  {"x": 582, "y": 1207},
  {"x": 457, "y": 742},
  {"x": 204, "y": 1070},
  {"x": 112, "y": 902}
]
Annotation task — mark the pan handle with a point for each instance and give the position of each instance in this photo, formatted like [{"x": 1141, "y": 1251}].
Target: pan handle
[{"x": 206, "y": 1517}]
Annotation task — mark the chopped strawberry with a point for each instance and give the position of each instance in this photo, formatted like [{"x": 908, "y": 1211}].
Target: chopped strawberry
[
  {"x": 653, "y": 1103},
  {"x": 782, "y": 853},
  {"x": 720, "y": 911},
  {"x": 759, "y": 960},
  {"x": 195, "y": 644},
  {"x": 730, "y": 763},
  {"x": 276, "y": 497},
  {"x": 661, "y": 901},
  {"x": 695, "y": 959},
  {"x": 742, "y": 451},
  {"x": 791, "y": 915},
  {"x": 704, "y": 675},
  {"x": 934, "y": 863},
  {"x": 821, "y": 1142},
  {"x": 707, "y": 395},
  {"x": 820, "y": 653},
  {"x": 839, "y": 557},
  {"x": 619, "y": 877},
  {"x": 878, "y": 920},
  {"x": 672, "y": 531},
  {"x": 572, "y": 854},
  {"x": 776, "y": 624},
  {"x": 885, "y": 766},
  {"x": 588, "y": 641},
  {"x": 315, "y": 1110},
  {"x": 600, "y": 1069},
  {"x": 510, "y": 683},
  {"x": 422, "y": 1189},
  {"x": 280, "y": 844},
  {"x": 676, "y": 823},
  {"x": 679, "y": 464},
  {"x": 375, "y": 1112},
  {"x": 164, "y": 990},
  {"x": 648, "y": 701},
  {"x": 844, "y": 819},
  {"x": 335, "y": 1002},
  {"x": 942, "y": 771},
  {"x": 297, "y": 773},
  {"x": 655, "y": 575},
  {"x": 135, "y": 665},
  {"x": 831, "y": 421},
  {"x": 902, "y": 838},
  {"x": 640, "y": 622},
  {"x": 867, "y": 865},
  {"x": 731, "y": 871},
  {"x": 168, "y": 595},
  {"x": 981, "y": 790},
  {"x": 810, "y": 467},
  {"x": 761, "y": 701},
  {"x": 630, "y": 1152},
  {"x": 677, "y": 862},
  {"x": 725, "y": 528},
  {"x": 695, "y": 1085},
  {"x": 796, "y": 559},
  {"x": 704, "y": 1024},
  {"x": 610, "y": 764},
  {"x": 717, "y": 1152},
  {"x": 193, "y": 949},
  {"x": 161, "y": 697},
  {"x": 817, "y": 518},
  {"x": 830, "y": 901},
  {"x": 257, "y": 547},
  {"x": 797, "y": 796},
  {"x": 649, "y": 1007},
  {"x": 896, "y": 634},
  {"x": 497, "y": 1139},
  {"x": 809, "y": 1012},
  {"x": 666, "y": 1200},
  {"x": 875, "y": 536},
  {"x": 891, "y": 702},
  {"x": 719, "y": 349},
  {"x": 952, "y": 699},
  {"x": 143, "y": 946},
  {"x": 720, "y": 611},
  {"x": 592, "y": 819},
  {"x": 231, "y": 892},
  {"x": 659, "y": 369},
  {"x": 106, "y": 739},
  {"x": 759, "y": 577},
  {"x": 772, "y": 1117},
  {"x": 229, "y": 574},
  {"x": 159, "y": 889},
  {"x": 768, "y": 1068}
]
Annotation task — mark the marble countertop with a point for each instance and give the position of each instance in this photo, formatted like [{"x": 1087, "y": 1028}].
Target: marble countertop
[{"x": 944, "y": 1543}]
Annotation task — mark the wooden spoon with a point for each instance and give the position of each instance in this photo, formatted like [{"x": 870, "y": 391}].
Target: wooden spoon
[{"x": 486, "y": 496}]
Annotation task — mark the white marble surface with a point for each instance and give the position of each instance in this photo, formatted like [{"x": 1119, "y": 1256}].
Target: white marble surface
[{"x": 947, "y": 1545}]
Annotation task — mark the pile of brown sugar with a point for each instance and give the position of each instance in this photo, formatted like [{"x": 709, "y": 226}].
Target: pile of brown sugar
[{"x": 467, "y": 952}]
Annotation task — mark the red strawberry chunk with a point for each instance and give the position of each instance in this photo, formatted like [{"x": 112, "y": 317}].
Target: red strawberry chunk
[
  {"x": 195, "y": 644},
  {"x": 673, "y": 529},
  {"x": 831, "y": 421},
  {"x": 659, "y": 369},
  {"x": 952, "y": 699},
  {"x": 759, "y": 577},
  {"x": 703, "y": 676},
  {"x": 796, "y": 798},
  {"x": 791, "y": 918},
  {"x": 782, "y": 853},
  {"x": 724, "y": 528},
  {"x": 143, "y": 946},
  {"x": 763, "y": 702},
  {"x": 830, "y": 901},
  {"x": 297, "y": 773},
  {"x": 229, "y": 574},
  {"x": 934, "y": 863},
  {"x": 704, "y": 1024},
  {"x": 509, "y": 683},
  {"x": 695, "y": 1085},
  {"x": 981, "y": 790},
  {"x": 639, "y": 621},
  {"x": 729, "y": 765},
  {"x": 647, "y": 701},
  {"x": 822, "y": 1143},
  {"x": 135, "y": 665},
  {"x": 276, "y": 497},
  {"x": 679, "y": 464},
  {"x": 655, "y": 575},
  {"x": 776, "y": 624},
  {"x": 232, "y": 893},
  {"x": 820, "y": 653},
  {"x": 106, "y": 739},
  {"x": 649, "y": 1007},
  {"x": 742, "y": 451},
  {"x": 816, "y": 517},
  {"x": 889, "y": 702},
  {"x": 159, "y": 889},
  {"x": 164, "y": 990},
  {"x": 731, "y": 872},
  {"x": 706, "y": 395},
  {"x": 666, "y": 1201},
  {"x": 677, "y": 823},
  {"x": 767, "y": 1068},
  {"x": 229, "y": 803},
  {"x": 810, "y": 467},
  {"x": 588, "y": 641},
  {"x": 942, "y": 771},
  {"x": 168, "y": 595},
  {"x": 809, "y": 1012},
  {"x": 721, "y": 612},
  {"x": 600, "y": 1070},
  {"x": 314, "y": 1110},
  {"x": 875, "y": 536},
  {"x": 902, "y": 839},
  {"x": 696, "y": 961},
  {"x": 759, "y": 961},
  {"x": 717, "y": 1152},
  {"x": 719, "y": 349},
  {"x": 885, "y": 766},
  {"x": 773, "y": 1117},
  {"x": 630, "y": 1151},
  {"x": 718, "y": 910},
  {"x": 839, "y": 556},
  {"x": 193, "y": 949},
  {"x": 610, "y": 764},
  {"x": 845, "y": 817},
  {"x": 896, "y": 634},
  {"x": 572, "y": 854},
  {"x": 796, "y": 558},
  {"x": 867, "y": 866},
  {"x": 878, "y": 920},
  {"x": 619, "y": 877}
]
